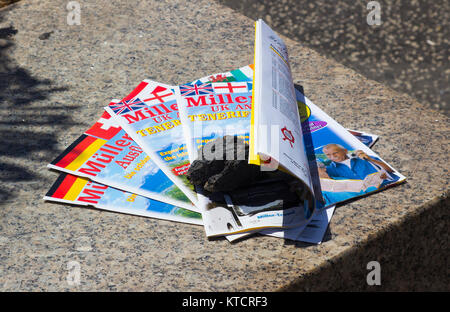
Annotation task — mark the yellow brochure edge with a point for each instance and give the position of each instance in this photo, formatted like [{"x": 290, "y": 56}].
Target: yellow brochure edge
[{"x": 252, "y": 157}]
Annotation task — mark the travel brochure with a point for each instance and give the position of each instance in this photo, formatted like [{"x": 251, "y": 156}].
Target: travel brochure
[{"x": 239, "y": 152}]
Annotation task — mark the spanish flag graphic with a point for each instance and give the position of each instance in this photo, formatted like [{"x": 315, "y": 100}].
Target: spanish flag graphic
[
  {"x": 78, "y": 152},
  {"x": 67, "y": 187}
]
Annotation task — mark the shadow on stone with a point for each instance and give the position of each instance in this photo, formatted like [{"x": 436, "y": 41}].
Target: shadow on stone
[
  {"x": 407, "y": 52},
  {"x": 413, "y": 256},
  {"x": 27, "y": 129}
]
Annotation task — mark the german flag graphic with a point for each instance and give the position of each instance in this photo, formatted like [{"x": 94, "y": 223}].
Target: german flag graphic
[
  {"x": 67, "y": 187},
  {"x": 78, "y": 152}
]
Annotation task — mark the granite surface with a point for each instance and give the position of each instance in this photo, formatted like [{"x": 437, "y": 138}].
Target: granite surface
[{"x": 54, "y": 81}]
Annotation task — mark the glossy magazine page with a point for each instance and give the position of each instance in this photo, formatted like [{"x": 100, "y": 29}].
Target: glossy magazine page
[
  {"x": 106, "y": 154},
  {"x": 149, "y": 115},
  {"x": 315, "y": 230},
  {"x": 70, "y": 189},
  {"x": 342, "y": 166}
]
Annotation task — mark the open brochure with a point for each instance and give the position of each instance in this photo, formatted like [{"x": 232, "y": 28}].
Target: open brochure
[
  {"x": 314, "y": 148},
  {"x": 216, "y": 120},
  {"x": 106, "y": 154},
  {"x": 327, "y": 159},
  {"x": 70, "y": 189}
]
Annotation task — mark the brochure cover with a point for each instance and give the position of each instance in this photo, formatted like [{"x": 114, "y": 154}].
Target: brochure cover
[
  {"x": 149, "y": 115},
  {"x": 342, "y": 166},
  {"x": 71, "y": 189},
  {"x": 106, "y": 154},
  {"x": 315, "y": 230}
]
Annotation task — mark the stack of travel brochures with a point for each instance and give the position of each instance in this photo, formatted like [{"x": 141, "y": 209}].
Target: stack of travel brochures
[{"x": 238, "y": 152}]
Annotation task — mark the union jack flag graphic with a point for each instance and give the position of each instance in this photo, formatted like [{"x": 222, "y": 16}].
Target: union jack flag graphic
[
  {"x": 125, "y": 106},
  {"x": 198, "y": 88}
]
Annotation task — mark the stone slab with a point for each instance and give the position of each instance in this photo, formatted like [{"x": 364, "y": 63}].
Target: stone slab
[{"x": 55, "y": 79}]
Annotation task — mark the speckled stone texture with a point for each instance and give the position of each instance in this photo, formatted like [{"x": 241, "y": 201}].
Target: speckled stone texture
[
  {"x": 408, "y": 51},
  {"x": 54, "y": 81}
]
